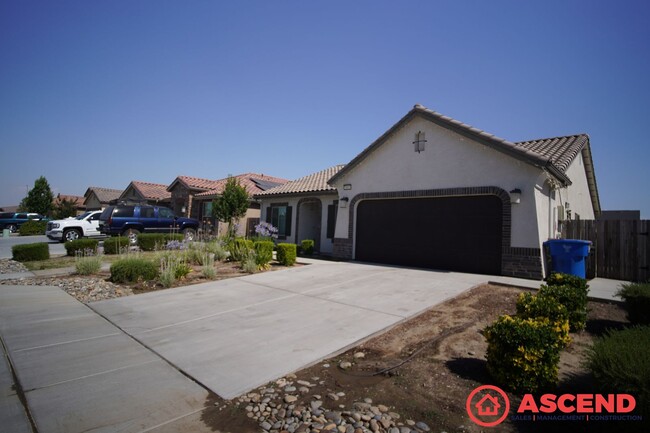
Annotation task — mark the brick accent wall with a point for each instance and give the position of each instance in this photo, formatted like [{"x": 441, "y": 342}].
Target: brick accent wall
[{"x": 515, "y": 262}]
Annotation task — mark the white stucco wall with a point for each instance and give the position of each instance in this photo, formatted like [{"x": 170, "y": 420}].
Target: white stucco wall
[
  {"x": 326, "y": 245},
  {"x": 448, "y": 161},
  {"x": 577, "y": 194}
]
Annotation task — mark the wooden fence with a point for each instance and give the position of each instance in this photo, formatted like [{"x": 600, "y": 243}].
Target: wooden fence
[{"x": 621, "y": 249}]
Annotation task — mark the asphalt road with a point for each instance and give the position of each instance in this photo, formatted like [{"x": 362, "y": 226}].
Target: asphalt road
[{"x": 56, "y": 248}]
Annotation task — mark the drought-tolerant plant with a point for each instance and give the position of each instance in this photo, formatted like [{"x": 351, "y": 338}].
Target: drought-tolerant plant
[
  {"x": 32, "y": 228},
  {"x": 619, "y": 363},
  {"x": 116, "y": 245},
  {"x": 173, "y": 268},
  {"x": 30, "y": 252},
  {"x": 523, "y": 354},
  {"x": 152, "y": 241},
  {"x": 637, "y": 302},
  {"x": 87, "y": 261},
  {"x": 240, "y": 249},
  {"x": 286, "y": 254},
  {"x": 249, "y": 263},
  {"x": 307, "y": 246},
  {"x": 216, "y": 248},
  {"x": 531, "y": 306},
  {"x": 208, "y": 270},
  {"x": 573, "y": 298},
  {"x": 263, "y": 253},
  {"x": 132, "y": 269},
  {"x": 72, "y": 247}
]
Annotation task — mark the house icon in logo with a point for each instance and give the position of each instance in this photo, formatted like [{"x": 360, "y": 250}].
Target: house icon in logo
[{"x": 488, "y": 405}]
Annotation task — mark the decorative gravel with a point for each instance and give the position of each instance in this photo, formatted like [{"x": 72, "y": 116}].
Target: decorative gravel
[
  {"x": 8, "y": 266},
  {"x": 85, "y": 289}
]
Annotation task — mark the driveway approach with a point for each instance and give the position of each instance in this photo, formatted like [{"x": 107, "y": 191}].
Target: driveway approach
[{"x": 237, "y": 334}]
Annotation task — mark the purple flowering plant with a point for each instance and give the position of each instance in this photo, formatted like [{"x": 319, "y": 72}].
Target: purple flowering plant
[{"x": 266, "y": 230}]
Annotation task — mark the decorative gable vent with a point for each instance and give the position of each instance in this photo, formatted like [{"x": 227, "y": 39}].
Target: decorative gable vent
[{"x": 419, "y": 142}]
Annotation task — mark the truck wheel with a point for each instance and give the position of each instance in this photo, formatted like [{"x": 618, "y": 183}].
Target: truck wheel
[
  {"x": 190, "y": 234},
  {"x": 12, "y": 228},
  {"x": 132, "y": 234},
  {"x": 71, "y": 235}
]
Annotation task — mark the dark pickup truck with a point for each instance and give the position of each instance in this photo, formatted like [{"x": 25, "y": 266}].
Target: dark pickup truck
[{"x": 13, "y": 221}]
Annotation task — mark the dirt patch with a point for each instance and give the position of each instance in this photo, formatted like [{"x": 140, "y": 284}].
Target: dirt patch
[{"x": 424, "y": 369}]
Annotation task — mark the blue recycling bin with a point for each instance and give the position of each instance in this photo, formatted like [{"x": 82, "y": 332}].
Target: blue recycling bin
[{"x": 568, "y": 256}]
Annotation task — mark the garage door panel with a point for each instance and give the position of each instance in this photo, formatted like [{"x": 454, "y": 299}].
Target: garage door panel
[{"x": 453, "y": 233}]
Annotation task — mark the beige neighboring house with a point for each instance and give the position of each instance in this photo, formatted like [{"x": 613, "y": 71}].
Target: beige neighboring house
[
  {"x": 304, "y": 208},
  {"x": 97, "y": 198},
  {"x": 77, "y": 200},
  {"x": 151, "y": 193},
  {"x": 192, "y": 196}
]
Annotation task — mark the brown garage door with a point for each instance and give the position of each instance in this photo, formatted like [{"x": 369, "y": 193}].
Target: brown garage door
[{"x": 451, "y": 233}]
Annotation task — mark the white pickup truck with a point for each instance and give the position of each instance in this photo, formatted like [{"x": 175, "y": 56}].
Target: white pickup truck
[{"x": 69, "y": 229}]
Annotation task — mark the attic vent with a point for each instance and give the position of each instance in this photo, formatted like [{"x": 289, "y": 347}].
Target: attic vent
[{"x": 419, "y": 142}]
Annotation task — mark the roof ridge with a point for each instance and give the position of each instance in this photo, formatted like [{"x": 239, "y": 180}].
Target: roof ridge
[{"x": 553, "y": 138}]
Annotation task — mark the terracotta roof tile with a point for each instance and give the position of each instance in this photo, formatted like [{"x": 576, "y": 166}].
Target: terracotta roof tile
[
  {"x": 104, "y": 195},
  {"x": 315, "y": 182},
  {"x": 77, "y": 200},
  {"x": 254, "y": 183},
  {"x": 152, "y": 191},
  {"x": 560, "y": 151}
]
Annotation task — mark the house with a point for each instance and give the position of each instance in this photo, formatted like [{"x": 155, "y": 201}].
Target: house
[
  {"x": 193, "y": 197},
  {"x": 305, "y": 208},
  {"x": 96, "y": 198},
  {"x": 77, "y": 200},
  {"x": 488, "y": 406},
  {"x": 434, "y": 192},
  {"x": 151, "y": 193}
]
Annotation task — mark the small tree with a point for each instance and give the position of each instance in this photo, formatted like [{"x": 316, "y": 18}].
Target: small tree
[
  {"x": 231, "y": 205},
  {"x": 39, "y": 199},
  {"x": 64, "y": 208}
]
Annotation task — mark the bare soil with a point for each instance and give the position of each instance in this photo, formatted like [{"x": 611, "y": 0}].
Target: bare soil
[{"x": 425, "y": 368}]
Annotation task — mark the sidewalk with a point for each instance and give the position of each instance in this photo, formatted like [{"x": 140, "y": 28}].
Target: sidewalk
[
  {"x": 80, "y": 373},
  {"x": 601, "y": 289}
]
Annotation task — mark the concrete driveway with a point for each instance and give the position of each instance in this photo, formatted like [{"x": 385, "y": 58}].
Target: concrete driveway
[{"x": 237, "y": 334}]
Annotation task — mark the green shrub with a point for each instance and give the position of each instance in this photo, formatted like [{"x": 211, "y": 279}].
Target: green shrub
[
  {"x": 116, "y": 245},
  {"x": 30, "y": 252},
  {"x": 531, "y": 306},
  {"x": 307, "y": 247},
  {"x": 286, "y": 254},
  {"x": 574, "y": 299},
  {"x": 152, "y": 241},
  {"x": 637, "y": 302},
  {"x": 87, "y": 262},
  {"x": 263, "y": 253},
  {"x": 132, "y": 269},
  {"x": 558, "y": 279},
  {"x": 240, "y": 249},
  {"x": 71, "y": 247},
  {"x": 31, "y": 228},
  {"x": 619, "y": 363},
  {"x": 523, "y": 354}
]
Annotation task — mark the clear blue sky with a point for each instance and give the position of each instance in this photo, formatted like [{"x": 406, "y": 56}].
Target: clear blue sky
[{"x": 104, "y": 92}]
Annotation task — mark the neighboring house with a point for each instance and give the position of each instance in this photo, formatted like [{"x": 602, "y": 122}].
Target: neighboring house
[
  {"x": 191, "y": 196},
  {"x": 146, "y": 192},
  {"x": 627, "y": 215},
  {"x": 434, "y": 192},
  {"x": 302, "y": 209},
  {"x": 9, "y": 208},
  {"x": 96, "y": 198},
  {"x": 77, "y": 200}
]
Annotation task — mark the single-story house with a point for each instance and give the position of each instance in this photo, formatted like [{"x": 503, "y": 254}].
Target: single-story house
[
  {"x": 192, "y": 196},
  {"x": 151, "y": 193},
  {"x": 97, "y": 198},
  {"x": 77, "y": 200},
  {"x": 304, "y": 208},
  {"x": 437, "y": 193}
]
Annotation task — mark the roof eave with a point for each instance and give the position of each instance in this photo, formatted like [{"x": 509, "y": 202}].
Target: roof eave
[{"x": 297, "y": 194}]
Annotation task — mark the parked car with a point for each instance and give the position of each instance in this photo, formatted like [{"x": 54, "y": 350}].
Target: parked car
[
  {"x": 13, "y": 221},
  {"x": 131, "y": 220},
  {"x": 69, "y": 229}
]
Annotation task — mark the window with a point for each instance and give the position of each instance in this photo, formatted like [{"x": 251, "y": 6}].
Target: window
[
  {"x": 123, "y": 212},
  {"x": 146, "y": 212},
  {"x": 279, "y": 215},
  {"x": 163, "y": 212},
  {"x": 207, "y": 209},
  {"x": 419, "y": 142},
  {"x": 332, "y": 212}
]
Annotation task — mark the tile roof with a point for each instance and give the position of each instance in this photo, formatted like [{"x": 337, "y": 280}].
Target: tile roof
[
  {"x": 315, "y": 182},
  {"x": 151, "y": 191},
  {"x": 560, "y": 151},
  {"x": 77, "y": 200},
  {"x": 254, "y": 183},
  {"x": 104, "y": 195},
  {"x": 195, "y": 183}
]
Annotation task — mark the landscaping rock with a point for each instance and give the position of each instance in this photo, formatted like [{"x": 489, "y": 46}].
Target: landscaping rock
[{"x": 84, "y": 289}]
